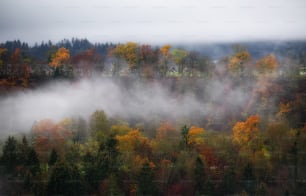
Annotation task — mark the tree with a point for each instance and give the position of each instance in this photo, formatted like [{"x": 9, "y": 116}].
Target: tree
[
  {"x": 148, "y": 60},
  {"x": 3, "y": 52},
  {"x": 146, "y": 185},
  {"x": 99, "y": 161},
  {"x": 267, "y": 64},
  {"x": 199, "y": 176},
  {"x": 179, "y": 56},
  {"x": 113, "y": 188},
  {"x": 184, "y": 133},
  {"x": 244, "y": 132},
  {"x": 48, "y": 135},
  {"x": 118, "y": 54},
  {"x": 24, "y": 149},
  {"x": 58, "y": 60},
  {"x": 32, "y": 162},
  {"x": 249, "y": 178},
  {"x": 80, "y": 133},
  {"x": 238, "y": 62},
  {"x": 16, "y": 57},
  {"x": 64, "y": 180},
  {"x": 131, "y": 55},
  {"x": 195, "y": 136},
  {"x": 10, "y": 154},
  {"x": 164, "y": 59},
  {"x": 196, "y": 62},
  {"x": 166, "y": 130},
  {"x": 99, "y": 125},
  {"x": 129, "y": 52},
  {"x": 262, "y": 190},
  {"x": 86, "y": 61},
  {"x": 228, "y": 184},
  {"x": 135, "y": 149},
  {"x": 53, "y": 158},
  {"x": 110, "y": 148}
]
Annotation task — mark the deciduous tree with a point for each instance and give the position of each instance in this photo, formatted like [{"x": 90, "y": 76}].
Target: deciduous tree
[{"x": 244, "y": 132}]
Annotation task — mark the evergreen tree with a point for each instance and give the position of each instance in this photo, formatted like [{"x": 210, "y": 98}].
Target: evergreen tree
[
  {"x": 249, "y": 179},
  {"x": 113, "y": 188},
  {"x": 228, "y": 182},
  {"x": 64, "y": 180},
  {"x": 184, "y": 133},
  {"x": 24, "y": 150},
  {"x": 199, "y": 174},
  {"x": 10, "y": 155},
  {"x": 145, "y": 179},
  {"x": 99, "y": 125},
  {"x": 32, "y": 162},
  {"x": 96, "y": 169},
  {"x": 53, "y": 158},
  {"x": 262, "y": 190}
]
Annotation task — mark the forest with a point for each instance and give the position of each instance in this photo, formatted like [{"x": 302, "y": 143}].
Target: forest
[{"x": 79, "y": 118}]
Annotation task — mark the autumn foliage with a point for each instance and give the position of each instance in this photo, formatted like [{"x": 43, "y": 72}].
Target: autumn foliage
[
  {"x": 244, "y": 132},
  {"x": 237, "y": 62},
  {"x": 166, "y": 130},
  {"x": 62, "y": 56},
  {"x": 49, "y": 135},
  {"x": 211, "y": 144},
  {"x": 195, "y": 136},
  {"x": 267, "y": 64}
]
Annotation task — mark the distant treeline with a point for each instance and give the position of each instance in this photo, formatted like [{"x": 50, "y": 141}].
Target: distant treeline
[
  {"x": 41, "y": 51},
  {"x": 21, "y": 64},
  {"x": 258, "y": 49}
]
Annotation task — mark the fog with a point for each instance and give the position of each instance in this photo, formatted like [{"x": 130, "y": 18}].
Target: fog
[{"x": 139, "y": 100}]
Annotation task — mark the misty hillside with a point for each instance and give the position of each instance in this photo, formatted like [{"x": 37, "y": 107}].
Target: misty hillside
[
  {"x": 153, "y": 98},
  {"x": 79, "y": 118}
]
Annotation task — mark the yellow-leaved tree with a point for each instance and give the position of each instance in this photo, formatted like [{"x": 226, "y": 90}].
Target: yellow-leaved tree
[
  {"x": 238, "y": 62},
  {"x": 135, "y": 149},
  {"x": 195, "y": 136},
  {"x": 244, "y": 132},
  {"x": 164, "y": 59},
  {"x": 60, "y": 58},
  {"x": 267, "y": 64}
]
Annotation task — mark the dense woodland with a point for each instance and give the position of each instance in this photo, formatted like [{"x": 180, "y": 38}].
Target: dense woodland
[{"x": 254, "y": 148}]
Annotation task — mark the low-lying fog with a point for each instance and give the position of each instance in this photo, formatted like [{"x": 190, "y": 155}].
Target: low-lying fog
[{"x": 18, "y": 112}]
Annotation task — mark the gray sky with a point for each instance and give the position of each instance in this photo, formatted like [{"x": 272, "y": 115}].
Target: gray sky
[{"x": 152, "y": 20}]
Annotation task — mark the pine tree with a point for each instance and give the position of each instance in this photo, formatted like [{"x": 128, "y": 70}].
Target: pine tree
[
  {"x": 146, "y": 184},
  {"x": 64, "y": 180},
  {"x": 24, "y": 150},
  {"x": 262, "y": 190},
  {"x": 184, "y": 133},
  {"x": 10, "y": 155},
  {"x": 200, "y": 177},
  {"x": 32, "y": 162},
  {"x": 53, "y": 158}
]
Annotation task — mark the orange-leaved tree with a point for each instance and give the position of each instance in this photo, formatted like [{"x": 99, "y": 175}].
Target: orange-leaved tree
[
  {"x": 238, "y": 62},
  {"x": 244, "y": 132},
  {"x": 166, "y": 131},
  {"x": 3, "y": 51},
  {"x": 164, "y": 59},
  {"x": 49, "y": 135},
  {"x": 135, "y": 149},
  {"x": 267, "y": 64},
  {"x": 61, "y": 57},
  {"x": 195, "y": 136}
]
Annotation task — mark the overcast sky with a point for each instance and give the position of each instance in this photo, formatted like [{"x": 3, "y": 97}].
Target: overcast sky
[{"x": 152, "y": 20}]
